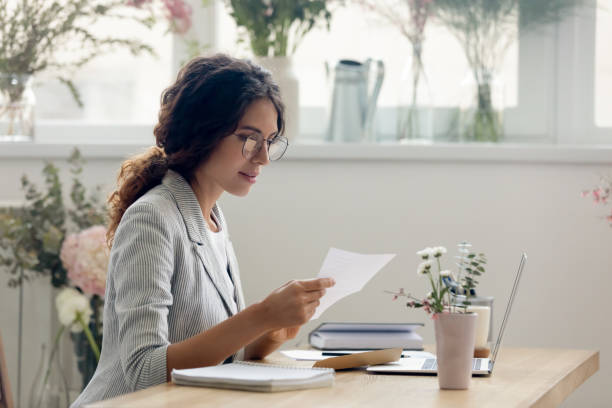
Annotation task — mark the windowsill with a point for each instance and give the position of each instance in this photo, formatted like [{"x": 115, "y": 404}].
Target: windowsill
[{"x": 317, "y": 151}]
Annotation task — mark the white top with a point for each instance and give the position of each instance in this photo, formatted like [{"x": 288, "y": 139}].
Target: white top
[{"x": 219, "y": 247}]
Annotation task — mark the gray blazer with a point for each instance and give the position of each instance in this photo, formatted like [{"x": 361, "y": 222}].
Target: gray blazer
[{"x": 161, "y": 289}]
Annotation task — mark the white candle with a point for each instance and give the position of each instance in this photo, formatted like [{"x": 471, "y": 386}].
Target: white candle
[{"x": 482, "y": 324}]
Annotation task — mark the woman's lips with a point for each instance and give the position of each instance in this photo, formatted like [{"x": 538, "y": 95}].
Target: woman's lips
[{"x": 248, "y": 177}]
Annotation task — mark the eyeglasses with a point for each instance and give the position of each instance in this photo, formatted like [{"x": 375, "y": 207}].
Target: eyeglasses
[{"x": 253, "y": 143}]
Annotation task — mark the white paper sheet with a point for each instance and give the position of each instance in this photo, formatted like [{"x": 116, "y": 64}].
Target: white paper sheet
[
  {"x": 304, "y": 355},
  {"x": 351, "y": 271}
]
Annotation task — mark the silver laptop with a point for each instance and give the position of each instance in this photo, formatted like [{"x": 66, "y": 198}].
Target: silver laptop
[{"x": 481, "y": 366}]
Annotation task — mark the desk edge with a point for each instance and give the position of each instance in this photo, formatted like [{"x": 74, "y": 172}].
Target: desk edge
[{"x": 569, "y": 383}]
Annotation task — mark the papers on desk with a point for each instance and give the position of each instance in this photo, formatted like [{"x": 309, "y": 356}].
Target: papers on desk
[
  {"x": 351, "y": 271},
  {"x": 317, "y": 355},
  {"x": 242, "y": 375}
]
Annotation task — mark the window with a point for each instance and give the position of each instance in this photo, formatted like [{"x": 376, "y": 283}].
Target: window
[
  {"x": 603, "y": 65},
  {"x": 557, "y": 82},
  {"x": 116, "y": 88}
]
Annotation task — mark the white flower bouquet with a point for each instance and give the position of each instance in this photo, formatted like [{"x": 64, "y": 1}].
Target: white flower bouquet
[{"x": 444, "y": 283}]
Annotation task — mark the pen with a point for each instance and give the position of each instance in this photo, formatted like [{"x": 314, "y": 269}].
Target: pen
[{"x": 337, "y": 353}]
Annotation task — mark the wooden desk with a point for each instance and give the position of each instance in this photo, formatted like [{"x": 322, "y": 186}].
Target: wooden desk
[{"x": 522, "y": 377}]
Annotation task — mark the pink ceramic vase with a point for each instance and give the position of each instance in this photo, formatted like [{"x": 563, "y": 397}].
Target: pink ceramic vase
[{"x": 455, "y": 337}]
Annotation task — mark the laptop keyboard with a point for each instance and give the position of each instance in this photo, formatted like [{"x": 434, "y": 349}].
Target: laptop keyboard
[{"x": 432, "y": 364}]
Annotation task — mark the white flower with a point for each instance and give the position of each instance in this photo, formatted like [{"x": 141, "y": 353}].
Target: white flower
[
  {"x": 69, "y": 302},
  {"x": 425, "y": 253},
  {"x": 424, "y": 267},
  {"x": 430, "y": 295},
  {"x": 445, "y": 273},
  {"x": 438, "y": 251}
]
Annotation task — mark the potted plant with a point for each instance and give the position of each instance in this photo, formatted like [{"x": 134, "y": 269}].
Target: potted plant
[
  {"x": 274, "y": 29},
  {"x": 454, "y": 325}
]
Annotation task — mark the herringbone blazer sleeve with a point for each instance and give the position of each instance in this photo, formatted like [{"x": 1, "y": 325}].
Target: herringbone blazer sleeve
[{"x": 142, "y": 261}]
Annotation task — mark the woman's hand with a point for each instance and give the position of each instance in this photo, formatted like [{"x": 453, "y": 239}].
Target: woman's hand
[
  {"x": 293, "y": 304},
  {"x": 284, "y": 334}
]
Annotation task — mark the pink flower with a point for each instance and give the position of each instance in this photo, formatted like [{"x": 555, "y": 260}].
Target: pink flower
[
  {"x": 178, "y": 13},
  {"x": 69, "y": 249},
  {"x": 85, "y": 257}
]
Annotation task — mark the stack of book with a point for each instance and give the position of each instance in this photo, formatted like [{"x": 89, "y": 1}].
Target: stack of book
[{"x": 366, "y": 336}]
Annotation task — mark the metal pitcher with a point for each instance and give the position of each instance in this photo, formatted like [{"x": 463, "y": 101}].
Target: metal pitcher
[{"x": 353, "y": 102}]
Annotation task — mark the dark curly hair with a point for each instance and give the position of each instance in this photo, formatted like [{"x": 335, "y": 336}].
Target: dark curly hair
[{"x": 204, "y": 105}]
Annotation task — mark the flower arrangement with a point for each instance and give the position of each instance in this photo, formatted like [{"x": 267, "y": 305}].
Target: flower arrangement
[
  {"x": 601, "y": 194},
  {"x": 276, "y": 27},
  {"x": 443, "y": 283},
  {"x": 35, "y": 34},
  {"x": 31, "y": 236},
  {"x": 485, "y": 29},
  {"x": 35, "y": 243}
]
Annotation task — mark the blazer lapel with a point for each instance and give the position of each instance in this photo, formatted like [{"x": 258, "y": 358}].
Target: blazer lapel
[
  {"x": 235, "y": 274},
  {"x": 195, "y": 224},
  {"x": 206, "y": 254}
]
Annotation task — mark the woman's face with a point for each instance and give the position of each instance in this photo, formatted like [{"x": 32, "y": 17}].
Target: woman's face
[{"x": 226, "y": 167}]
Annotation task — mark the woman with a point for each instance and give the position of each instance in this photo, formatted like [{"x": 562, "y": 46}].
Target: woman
[{"x": 173, "y": 294}]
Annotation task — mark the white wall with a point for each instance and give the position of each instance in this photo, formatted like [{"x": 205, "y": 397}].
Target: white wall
[{"x": 301, "y": 207}]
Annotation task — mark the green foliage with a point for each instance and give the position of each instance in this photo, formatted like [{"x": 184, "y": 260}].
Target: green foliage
[
  {"x": 471, "y": 267},
  {"x": 271, "y": 25},
  {"x": 34, "y": 35},
  {"x": 31, "y": 236}
]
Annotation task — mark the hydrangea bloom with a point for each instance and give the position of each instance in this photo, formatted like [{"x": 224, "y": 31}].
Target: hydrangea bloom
[
  {"x": 85, "y": 257},
  {"x": 69, "y": 302}
]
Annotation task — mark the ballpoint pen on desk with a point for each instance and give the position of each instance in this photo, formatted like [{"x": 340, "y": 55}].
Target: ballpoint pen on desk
[{"x": 345, "y": 353}]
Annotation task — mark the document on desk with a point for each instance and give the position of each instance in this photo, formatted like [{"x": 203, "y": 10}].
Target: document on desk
[{"x": 351, "y": 271}]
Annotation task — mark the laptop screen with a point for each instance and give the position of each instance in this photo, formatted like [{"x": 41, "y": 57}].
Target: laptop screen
[{"x": 509, "y": 307}]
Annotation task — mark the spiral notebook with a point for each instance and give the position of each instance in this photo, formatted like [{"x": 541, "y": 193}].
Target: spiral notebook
[{"x": 243, "y": 375}]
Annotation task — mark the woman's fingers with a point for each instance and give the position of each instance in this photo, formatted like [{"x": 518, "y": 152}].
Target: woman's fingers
[
  {"x": 317, "y": 284},
  {"x": 296, "y": 302},
  {"x": 314, "y": 295}
]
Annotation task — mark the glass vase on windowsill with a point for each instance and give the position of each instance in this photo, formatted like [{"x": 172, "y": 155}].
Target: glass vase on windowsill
[
  {"x": 415, "y": 110},
  {"x": 17, "y": 103},
  {"x": 482, "y": 108}
]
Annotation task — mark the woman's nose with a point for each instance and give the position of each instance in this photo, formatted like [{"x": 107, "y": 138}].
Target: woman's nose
[{"x": 262, "y": 156}]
